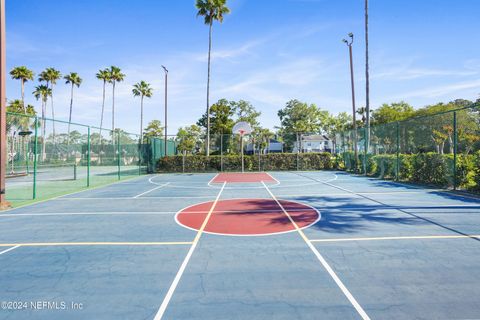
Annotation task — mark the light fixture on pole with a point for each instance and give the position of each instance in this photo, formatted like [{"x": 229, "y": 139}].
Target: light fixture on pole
[{"x": 166, "y": 88}]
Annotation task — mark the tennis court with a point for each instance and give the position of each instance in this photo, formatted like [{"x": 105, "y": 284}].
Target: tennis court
[{"x": 276, "y": 245}]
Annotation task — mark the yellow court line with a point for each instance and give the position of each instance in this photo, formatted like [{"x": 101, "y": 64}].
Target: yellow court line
[
  {"x": 53, "y": 244},
  {"x": 395, "y": 238},
  {"x": 322, "y": 260}
]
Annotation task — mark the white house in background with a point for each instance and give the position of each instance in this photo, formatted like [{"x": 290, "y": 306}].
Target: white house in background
[
  {"x": 274, "y": 146},
  {"x": 314, "y": 143}
]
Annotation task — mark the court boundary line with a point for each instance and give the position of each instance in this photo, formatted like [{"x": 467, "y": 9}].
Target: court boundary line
[
  {"x": 210, "y": 181},
  {"x": 9, "y": 249},
  {"x": 395, "y": 238},
  {"x": 90, "y": 213},
  {"x": 131, "y": 198},
  {"x": 252, "y": 211},
  {"x": 78, "y": 244},
  {"x": 241, "y": 188},
  {"x": 151, "y": 190},
  {"x": 324, "y": 263},
  {"x": 400, "y": 210},
  {"x": 183, "y": 266}
]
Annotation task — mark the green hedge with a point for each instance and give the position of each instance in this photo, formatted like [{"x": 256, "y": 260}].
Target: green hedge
[
  {"x": 425, "y": 168},
  {"x": 268, "y": 162}
]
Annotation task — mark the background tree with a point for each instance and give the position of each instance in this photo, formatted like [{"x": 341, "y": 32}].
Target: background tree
[
  {"x": 50, "y": 76},
  {"x": 298, "y": 118},
  {"x": 335, "y": 125},
  {"x": 211, "y": 10},
  {"x": 105, "y": 76},
  {"x": 396, "y": 111},
  {"x": 18, "y": 121},
  {"x": 116, "y": 75},
  {"x": 23, "y": 74},
  {"x": 188, "y": 139},
  {"x": 74, "y": 79},
  {"x": 142, "y": 90},
  {"x": 42, "y": 92},
  {"x": 154, "y": 129},
  {"x": 221, "y": 118},
  {"x": 362, "y": 112},
  {"x": 245, "y": 111}
]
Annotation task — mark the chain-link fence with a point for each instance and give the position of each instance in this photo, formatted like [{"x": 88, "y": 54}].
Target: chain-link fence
[
  {"x": 261, "y": 152},
  {"x": 49, "y": 157},
  {"x": 439, "y": 150}
]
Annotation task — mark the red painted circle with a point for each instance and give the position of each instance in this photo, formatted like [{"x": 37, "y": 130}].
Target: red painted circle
[{"x": 248, "y": 216}]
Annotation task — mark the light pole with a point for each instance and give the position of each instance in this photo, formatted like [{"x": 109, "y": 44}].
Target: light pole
[
  {"x": 166, "y": 88},
  {"x": 3, "y": 105},
  {"x": 349, "y": 44}
]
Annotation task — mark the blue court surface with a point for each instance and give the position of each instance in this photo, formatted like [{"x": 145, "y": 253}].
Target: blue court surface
[{"x": 327, "y": 245}]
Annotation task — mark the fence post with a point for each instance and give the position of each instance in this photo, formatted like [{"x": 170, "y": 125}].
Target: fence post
[
  {"x": 397, "y": 173},
  {"x": 221, "y": 152},
  {"x": 88, "y": 157},
  {"x": 259, "y": 156},
  {"x": 118, "y": 153},
  {"x": 35, "y": 151},
  {"x": 455, "y": 137}
]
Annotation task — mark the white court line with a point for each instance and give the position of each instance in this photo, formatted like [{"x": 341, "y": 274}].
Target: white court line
[
  {"x": 9, "y": 249},
  {"x": 176, "y": 280},
  {"x": 209, "y": 182},
  {"x": 13, "y": 215},
  {"x": 132, "y": 198},
  {"x": 332, "y": 273},
  {"x": 147, "y": 192},
  {"x": 395, "y": 238},
  {"x": 81, "y": 244}
]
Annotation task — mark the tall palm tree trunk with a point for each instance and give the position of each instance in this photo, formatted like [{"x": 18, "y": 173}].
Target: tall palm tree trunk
[
  {"x": 53, "y": 117},
  {"x": 44, "y": 104},
  {"x": 141, "y": 121},
  {"x": 103, "y": 109},
  {"x": 208, "y": 89},
  {"x": 70, "y": 115},
  {"x": 367, "y": 86},
  {"x": 113, "y": 107},
  {"x": 23, "y": 97}
]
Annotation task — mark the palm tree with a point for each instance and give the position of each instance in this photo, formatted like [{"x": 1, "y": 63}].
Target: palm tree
[
  {"x": 367, "y": 86},
  {"x": 116, "y": 75},
  {"x": 43, "y": 92},
  {"x": 211, "y": 10},
  {"x": 74, "y": 79},
  {"x": 23, "y": 74},
  {"x": 50, "y": 76},
  {"x": 142, "y": 89},
  {"x": 105, "y": 76}
]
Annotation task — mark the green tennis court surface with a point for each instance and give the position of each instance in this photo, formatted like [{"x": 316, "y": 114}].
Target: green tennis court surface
[{"x": 300, "y": 245}]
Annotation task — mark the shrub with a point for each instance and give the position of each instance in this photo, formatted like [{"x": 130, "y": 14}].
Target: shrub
[
  {"x": 433, "y": 169},
  {"x": 384, "y": 166},
  {"x": 476, "y": 171}
]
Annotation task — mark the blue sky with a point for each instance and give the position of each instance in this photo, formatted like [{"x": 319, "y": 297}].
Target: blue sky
[{"x": 266, "y": 52}]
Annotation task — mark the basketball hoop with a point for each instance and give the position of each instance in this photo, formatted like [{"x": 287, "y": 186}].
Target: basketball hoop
[{"x": 242, "y": 128}]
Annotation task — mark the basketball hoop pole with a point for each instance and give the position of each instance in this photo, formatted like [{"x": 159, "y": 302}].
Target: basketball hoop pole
[
  {"x": 242, "y": 128},
  {"x": 241, "y": 144},
  {"x": 3, "y": 105}
]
